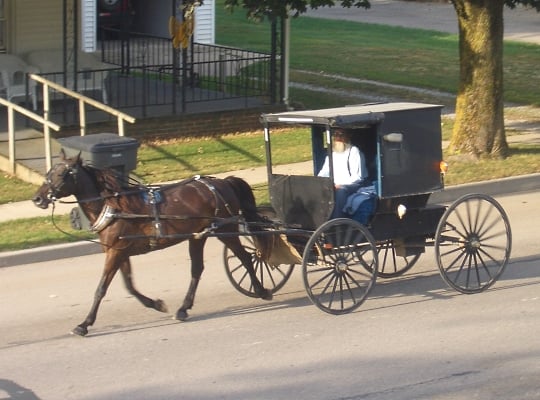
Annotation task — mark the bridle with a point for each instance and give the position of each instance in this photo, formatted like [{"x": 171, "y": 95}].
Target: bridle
[{"x": 55, "y": 190}]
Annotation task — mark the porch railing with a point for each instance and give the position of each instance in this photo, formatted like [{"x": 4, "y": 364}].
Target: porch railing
[{"x": 201, "y": 73}]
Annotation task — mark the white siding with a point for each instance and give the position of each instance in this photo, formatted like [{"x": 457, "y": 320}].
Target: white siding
[
  {"x": 205, "y": 23},
  {"x": 88, "y": 25}
]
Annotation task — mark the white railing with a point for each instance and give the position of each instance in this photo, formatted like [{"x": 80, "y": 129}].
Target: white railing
[{"x": 48, "y": 125}]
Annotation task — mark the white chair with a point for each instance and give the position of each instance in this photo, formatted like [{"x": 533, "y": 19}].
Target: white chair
[
  {"x": 13, "y": 83},
  {"x": 50, "y": 61}
]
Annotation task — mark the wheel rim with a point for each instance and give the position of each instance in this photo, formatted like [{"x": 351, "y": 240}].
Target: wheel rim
[
  {"x": 272, "y": 278},
  {"x": 391, "y": 264},
  {"x": 334, "y": 266},
  {"x": 473, "y": 243}
]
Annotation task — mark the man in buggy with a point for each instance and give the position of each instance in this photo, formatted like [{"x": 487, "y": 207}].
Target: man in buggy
[{"x": 350, "y": 174}]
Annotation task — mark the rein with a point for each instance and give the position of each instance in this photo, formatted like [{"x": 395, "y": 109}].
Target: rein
[{"x": 70, "y": 234}]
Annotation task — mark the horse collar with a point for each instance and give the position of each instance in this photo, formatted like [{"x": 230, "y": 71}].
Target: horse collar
[{"x": 104, "y": 219}]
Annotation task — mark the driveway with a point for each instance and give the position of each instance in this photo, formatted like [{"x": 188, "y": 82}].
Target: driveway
[{"x": 521, "y": 24}]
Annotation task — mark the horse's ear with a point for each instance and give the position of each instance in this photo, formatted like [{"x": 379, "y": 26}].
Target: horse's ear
[{"x": 62, "y": 154}]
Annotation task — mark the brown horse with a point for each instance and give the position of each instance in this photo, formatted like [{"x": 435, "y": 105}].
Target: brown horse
[{"x": 137, "y": 219}]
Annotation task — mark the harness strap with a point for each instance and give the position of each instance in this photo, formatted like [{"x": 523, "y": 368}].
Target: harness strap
[
  {"x": 216, "y": 194},
  {"x": 153, "y": 201}
]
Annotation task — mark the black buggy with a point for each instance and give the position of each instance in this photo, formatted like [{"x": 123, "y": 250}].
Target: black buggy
[{"x": 341, "y": 258}]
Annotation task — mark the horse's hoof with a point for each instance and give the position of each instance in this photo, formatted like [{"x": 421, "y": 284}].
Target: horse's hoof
[
  {"x": 160, "y": 305},
  {"x": 181, "y": 315},
  {"x": 80, "y": 331}
]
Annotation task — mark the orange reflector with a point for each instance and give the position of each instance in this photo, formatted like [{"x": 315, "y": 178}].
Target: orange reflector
[
  {"x": 328, "y": 246},
  {"x": 443, "y": 166}
]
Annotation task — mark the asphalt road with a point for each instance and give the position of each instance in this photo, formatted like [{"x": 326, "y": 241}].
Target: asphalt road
[{"x": 412, "y": 339}]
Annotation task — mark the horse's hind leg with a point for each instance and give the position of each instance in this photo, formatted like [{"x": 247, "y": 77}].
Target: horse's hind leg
[
  {"x": 125, "y": 268},
  {"x": 196, "y": 247},
  {"x": 244, "y": 256}
]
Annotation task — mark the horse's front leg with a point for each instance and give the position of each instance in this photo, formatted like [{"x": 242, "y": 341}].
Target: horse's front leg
[
  {"x": 158, "y": 304},
  {"x": 111, "y": 266},
  {"x": 196, "y": 252}
]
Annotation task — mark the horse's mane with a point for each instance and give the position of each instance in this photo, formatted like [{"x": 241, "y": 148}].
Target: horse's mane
[{"x": 109, "y": 180}]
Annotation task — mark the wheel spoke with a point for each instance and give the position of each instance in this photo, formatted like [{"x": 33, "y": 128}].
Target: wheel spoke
[
  {"x": 481, "y": 228},
  {"x": 323, "y": 278},
  {"x": 350, "y": 266},
  {"x": 273, "y": 278},
  {"x": 485, "y": 267},
  {"x": 483, "y": 248},
  {"x": 464, "y": 226}
]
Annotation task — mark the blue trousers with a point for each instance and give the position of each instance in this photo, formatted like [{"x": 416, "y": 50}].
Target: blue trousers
[{"x": 340, "y": 199}]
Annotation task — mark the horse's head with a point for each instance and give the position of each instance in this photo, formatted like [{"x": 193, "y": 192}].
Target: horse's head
[{"x": 61, "y": 181}]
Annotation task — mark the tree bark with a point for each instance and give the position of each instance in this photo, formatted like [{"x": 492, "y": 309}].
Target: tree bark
[{"x": 479, "y": 125}]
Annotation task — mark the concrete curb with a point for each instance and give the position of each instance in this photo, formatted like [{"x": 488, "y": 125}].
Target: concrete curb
[
  {"x": 497, "y": 187},
  {"x": 48, "y": 253}
]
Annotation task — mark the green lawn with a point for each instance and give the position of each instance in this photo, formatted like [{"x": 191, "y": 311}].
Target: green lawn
[{"x": 412, "y": 57}]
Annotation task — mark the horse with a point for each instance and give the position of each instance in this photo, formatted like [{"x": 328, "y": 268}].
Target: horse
[{"x": 133, "y": 219}]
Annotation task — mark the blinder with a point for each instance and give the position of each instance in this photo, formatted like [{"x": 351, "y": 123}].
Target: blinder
[{"x": 55, "y": 188}]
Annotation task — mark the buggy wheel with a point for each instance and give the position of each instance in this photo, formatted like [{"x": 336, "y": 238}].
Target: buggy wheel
[
  {"x": 390, "y": 263},
  {"x": 272, "y": 278},
  {"x": 334, "y": 265},
  {"x": 472, "y": 243}
]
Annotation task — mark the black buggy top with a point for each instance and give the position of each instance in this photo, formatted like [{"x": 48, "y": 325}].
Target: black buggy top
[{"x": 401, "y": 143}]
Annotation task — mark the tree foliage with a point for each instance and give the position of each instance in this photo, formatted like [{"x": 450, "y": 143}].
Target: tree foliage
[
  {"x": 529, "y": 3},
  {"x": 258, "y": 9}
]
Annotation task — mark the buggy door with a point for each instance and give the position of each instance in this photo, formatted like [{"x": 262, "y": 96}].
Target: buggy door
[{"x": 306, "y": 201}]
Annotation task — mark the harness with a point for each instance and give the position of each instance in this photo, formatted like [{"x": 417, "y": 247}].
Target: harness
[
  {"x": 153, "y": 196},
  {"x": 217, "y": 196}
]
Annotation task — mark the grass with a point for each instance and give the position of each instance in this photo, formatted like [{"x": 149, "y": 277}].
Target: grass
[
  {"x": 14, "y": 189},
  {"x": 33, "y": 232},
  {"x": 412, "y": 57},
  {"x": 319, "y": 49},
  {"x": 182, "y": 158},
  {"x": 464, "y": 171}
]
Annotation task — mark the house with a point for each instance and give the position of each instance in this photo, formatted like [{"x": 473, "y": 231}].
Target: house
[
  {"x": 142, "y": 74},
  {"x": 27, "y": 25}
]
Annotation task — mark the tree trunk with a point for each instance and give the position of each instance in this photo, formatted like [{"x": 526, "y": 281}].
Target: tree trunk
[{"x": 479, "y": 125}]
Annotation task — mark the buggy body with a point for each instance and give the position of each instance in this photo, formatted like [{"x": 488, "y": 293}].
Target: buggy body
[{"x": 401, "y": 143}]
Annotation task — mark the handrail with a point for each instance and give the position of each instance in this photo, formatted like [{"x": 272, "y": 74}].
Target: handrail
[
  {"x": 11, "y": 128},
  {"x": 82, "y": 111}
]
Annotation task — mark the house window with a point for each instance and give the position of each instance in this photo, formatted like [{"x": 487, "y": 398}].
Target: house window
[{"x": 2, "y": 26}]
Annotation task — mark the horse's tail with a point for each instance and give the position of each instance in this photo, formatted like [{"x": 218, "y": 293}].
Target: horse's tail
[
  {"x": 273, "y": 248},
  {"x": 245, "y": 195}
]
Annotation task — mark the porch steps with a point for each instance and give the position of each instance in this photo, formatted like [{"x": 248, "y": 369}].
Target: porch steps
[{"x": 30, "y": 164}]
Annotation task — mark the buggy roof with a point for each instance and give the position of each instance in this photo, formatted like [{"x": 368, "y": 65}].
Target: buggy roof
[{"x": 348, "y": 116}]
